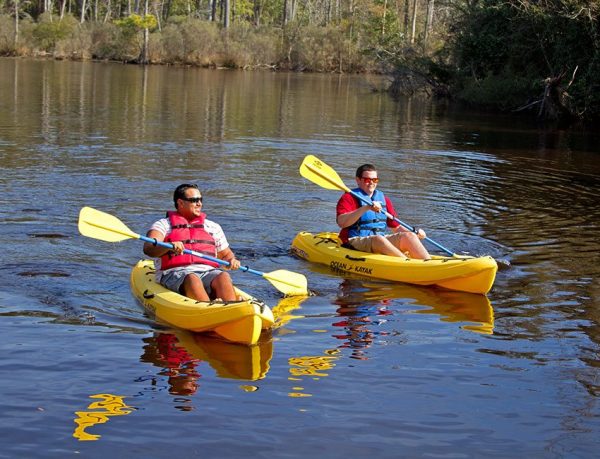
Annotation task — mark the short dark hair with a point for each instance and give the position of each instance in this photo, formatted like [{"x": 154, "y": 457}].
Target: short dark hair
[
  {"x": 365, "y": 167},
  {"x": 180, "y": 191}
]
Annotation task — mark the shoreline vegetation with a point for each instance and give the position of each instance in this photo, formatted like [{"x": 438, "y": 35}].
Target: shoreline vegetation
[{"x": 519, "y": 56}]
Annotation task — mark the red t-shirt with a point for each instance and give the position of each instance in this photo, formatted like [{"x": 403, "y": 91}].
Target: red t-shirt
[{"x": 348, "y": 203}]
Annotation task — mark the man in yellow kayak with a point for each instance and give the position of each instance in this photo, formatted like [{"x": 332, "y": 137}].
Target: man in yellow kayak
[
  {"x": 363, "y": 226},
  {"x": 188, "y": 228}
]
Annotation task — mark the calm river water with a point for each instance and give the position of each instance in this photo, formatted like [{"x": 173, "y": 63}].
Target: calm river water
[{"x": 360, "y": 369}]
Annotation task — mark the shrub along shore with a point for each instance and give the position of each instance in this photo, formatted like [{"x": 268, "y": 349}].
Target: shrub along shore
[{"x": 190, "y": 41}]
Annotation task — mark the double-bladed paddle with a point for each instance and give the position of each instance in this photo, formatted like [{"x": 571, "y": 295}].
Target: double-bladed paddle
[
  {"x": 315, "y": 170},
  {"x": 100, "y": 225}
]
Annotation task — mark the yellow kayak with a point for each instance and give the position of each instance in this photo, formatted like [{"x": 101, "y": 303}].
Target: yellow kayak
[
  {"x": 462, "y": 273},
  {"x": 238, "y": 321}
]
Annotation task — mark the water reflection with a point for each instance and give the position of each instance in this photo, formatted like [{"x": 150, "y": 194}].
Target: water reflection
[
  {"x": 312, "y": 366},
  {"x": 164, "y": 351},
  {"x": 107, "y": 406},
  {"x": 180, "y": 354},
  {"x": 356, "y": 325},
  {"x": 283, "y": 312},
  {"x": 363, "y": 306},
  {"x": 364, "y": 301}
]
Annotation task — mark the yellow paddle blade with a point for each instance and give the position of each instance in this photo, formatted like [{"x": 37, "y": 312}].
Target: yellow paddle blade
[
  {"x": 288, "y": 282},
  {"x": 99, "y": 225},
  {"x": 315, "y": 170}
]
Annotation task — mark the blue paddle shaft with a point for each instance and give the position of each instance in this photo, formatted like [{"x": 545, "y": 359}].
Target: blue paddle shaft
[
  {"x": 406, "y": 225},
  {"x": 168, "y": 245}
]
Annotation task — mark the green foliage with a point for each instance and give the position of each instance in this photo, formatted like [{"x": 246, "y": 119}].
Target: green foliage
[
  {"x": 246, "y": 46},
  {"x": 49, "y": 30},
  {"x": 7, "y": 35},
  {"x": 505, "y": 91},
  {"x": 381, "y": 26},
  {"x": 107, "y": 42},
  {"x": 191, "y": 41},
  {"x": 243, "y": 10},
  {"x": 135, "y": 23},
  {"x": 77, "y": 45},
  {"x": 320, "y": 49},
  {"x": 497, "y": 42}
]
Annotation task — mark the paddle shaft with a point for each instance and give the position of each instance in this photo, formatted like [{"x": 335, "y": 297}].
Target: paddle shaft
[
  {"x": 168, "y": 245},
  {"x": 337, "y": 182}
]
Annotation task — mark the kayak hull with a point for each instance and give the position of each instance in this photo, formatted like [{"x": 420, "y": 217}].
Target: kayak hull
[
  {"x": 461, "y": 273},
  {"x": 238, "y": 321}
]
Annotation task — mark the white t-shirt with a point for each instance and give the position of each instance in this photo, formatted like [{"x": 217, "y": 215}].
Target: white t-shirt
[{"x": 163, "y": 226}]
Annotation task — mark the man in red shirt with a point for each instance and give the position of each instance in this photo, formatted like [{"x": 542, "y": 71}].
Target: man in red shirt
[{"x": 363, "y": 226}]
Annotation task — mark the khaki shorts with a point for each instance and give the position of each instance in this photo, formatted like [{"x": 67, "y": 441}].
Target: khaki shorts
[{"x": 363, "y": 243}]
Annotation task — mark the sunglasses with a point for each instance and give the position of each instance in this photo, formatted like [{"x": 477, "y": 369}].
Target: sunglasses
[
  {"x": 193, "y": 200},
  {"x": 369, "y": 180}
]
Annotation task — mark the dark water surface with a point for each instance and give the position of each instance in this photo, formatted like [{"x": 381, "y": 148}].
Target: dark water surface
[{"x": 362, "y": 369}]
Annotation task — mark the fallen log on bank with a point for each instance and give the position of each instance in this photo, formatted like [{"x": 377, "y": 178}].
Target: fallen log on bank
[{"x": 554, "y": 104}]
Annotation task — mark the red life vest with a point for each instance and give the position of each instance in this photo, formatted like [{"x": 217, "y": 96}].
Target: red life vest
[{"x": 194, "y": 237}]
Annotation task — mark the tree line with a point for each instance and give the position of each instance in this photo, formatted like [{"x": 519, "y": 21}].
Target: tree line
[{"x": 541, "y": 56}]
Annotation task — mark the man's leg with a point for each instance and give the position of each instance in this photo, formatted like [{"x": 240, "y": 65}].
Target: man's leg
[
  {"x": 382, "y": 245},
  {"x": 409, "y": 243},
  {"x": 375, "y": 244},
  {"x": 222, "y": 286},
  {"x": 193, "y": 288}
]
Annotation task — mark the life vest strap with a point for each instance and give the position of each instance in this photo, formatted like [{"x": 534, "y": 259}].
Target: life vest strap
[
  {"x": 188, "y": 225},
  {"x": 199, "y": 241}
]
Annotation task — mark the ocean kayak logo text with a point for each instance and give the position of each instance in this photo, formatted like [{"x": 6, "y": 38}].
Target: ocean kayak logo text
[{"x": 339, "y": 266}]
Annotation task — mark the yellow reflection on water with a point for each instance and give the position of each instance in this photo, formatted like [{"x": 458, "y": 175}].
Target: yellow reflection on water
[
  {"x": 109, "y": 405},
  {"x": 315, "y": 367},
  {"x": 311, "y": 365},
  {"x": 282, "y": 311},
  {"x": 474, "y": 311},
  {"x": 248, "y": 388},
  {"x": 180, "y": 354}
]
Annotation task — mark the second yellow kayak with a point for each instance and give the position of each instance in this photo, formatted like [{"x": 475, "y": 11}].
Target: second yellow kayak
[{"x": 462, "y": 273}]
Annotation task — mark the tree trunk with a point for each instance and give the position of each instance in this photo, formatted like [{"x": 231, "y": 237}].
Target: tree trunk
[
  {"x": 406, "y": 18},
  {"x": 213, "y": 11},
  {"x": 257, "y": 12},
  {"x": 144, "y": 54},
  {"x": 383, "y": 18},
  {"x": 429, "y": 23},
  {"x": 553, "y": 107},
  {"x": 166, "y": 10},
  {"x": 63, "y": 5},
  {"x": 16, "y": 25},
  {"x": 158, "y": 17},
  {"x": 226, "y": 13},
  {"x": 414, "y": 22}
]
